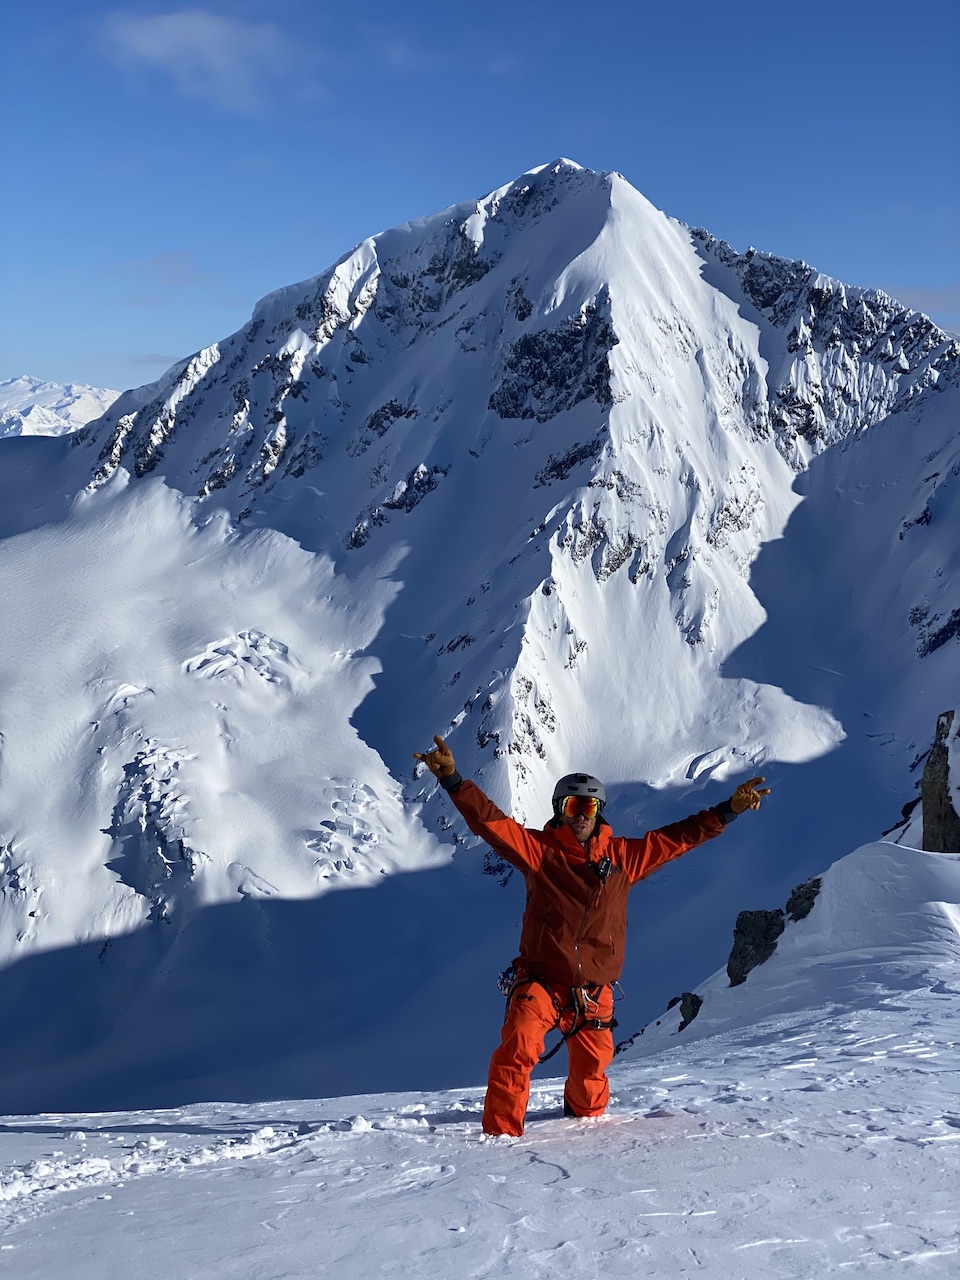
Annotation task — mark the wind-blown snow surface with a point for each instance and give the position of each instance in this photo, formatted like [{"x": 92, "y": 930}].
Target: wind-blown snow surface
[
  {"x": 521, "y": 472},
  {"x": 31, "y": 407},
  {"x": 805, "y": 1125}
]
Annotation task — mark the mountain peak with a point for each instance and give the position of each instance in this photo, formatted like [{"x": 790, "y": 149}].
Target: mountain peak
[
  {"x": 555, "y": 166},
  {"x": 501, "y": 473}
]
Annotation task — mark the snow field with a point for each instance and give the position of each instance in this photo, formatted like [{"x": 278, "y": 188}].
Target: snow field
[
  {"x": 805, "y": 1146},
  {"x": 804, "y": 1125},
  {"x": 170, "y": 668}
]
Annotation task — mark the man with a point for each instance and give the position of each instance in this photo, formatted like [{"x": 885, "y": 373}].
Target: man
[{"x": 578, "y": 875}]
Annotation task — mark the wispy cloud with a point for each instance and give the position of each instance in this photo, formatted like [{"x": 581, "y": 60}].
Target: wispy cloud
[
  {"x": 138, "y": 300},
  {"x": 149, "y": 358},
  {"x": 407, "y": 57},
  {"x": 233, "y": 64},
  {"x": 402, "y": 52},
  {"x": 176, "y": 270},
  {"x": 157, "y": 279}
]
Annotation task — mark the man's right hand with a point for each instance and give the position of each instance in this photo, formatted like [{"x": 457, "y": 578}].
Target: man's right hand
[{"x": 439, "y": 762}]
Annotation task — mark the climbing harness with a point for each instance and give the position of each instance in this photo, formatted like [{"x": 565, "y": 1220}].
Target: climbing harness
[{"x": 584, "y": 1000}]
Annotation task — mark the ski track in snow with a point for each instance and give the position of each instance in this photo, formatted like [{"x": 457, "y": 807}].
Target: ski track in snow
[{"x": 803, "y": 1147}]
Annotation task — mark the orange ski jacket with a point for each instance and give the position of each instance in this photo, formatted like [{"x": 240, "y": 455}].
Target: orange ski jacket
[{"x": 575, "y": 923}]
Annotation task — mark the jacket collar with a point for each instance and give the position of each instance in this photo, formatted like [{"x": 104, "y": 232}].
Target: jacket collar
[{"x": 596, "y": 847}]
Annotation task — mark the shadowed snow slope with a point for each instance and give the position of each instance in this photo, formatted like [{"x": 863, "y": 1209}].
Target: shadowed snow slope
[
  {"x": 547, "y": 472},
  {"x": 810, "y": 1130}
]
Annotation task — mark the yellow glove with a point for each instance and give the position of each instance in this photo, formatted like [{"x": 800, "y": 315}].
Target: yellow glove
[
  {"x": 747, "y": 796},
  {"x": 439, "y": 762}
]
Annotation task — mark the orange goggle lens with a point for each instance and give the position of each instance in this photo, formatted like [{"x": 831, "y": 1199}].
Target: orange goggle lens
[{"x": 580, "y": 806}]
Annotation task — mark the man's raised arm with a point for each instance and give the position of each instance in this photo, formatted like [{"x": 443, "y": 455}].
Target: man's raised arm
[{"x": 502, "y": 833}]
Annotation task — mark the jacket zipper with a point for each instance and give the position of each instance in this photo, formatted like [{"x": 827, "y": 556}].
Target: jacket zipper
[{"x": 583, "y": 925}]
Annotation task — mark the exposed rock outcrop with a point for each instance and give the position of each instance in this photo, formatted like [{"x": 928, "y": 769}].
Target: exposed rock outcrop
[
  {"x": 755, "y": 938},
  {"x": 690, "y": 1005},
  {"x": 756, "y": 933},
  {"x": 801, "y": 900},
  {"x": 941, "y": 822}
]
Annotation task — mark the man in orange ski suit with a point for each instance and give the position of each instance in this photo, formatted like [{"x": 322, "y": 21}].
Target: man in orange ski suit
[{"x": 578, "y": 875}]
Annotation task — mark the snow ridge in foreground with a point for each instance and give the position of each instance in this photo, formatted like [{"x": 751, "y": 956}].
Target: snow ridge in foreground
[{"x": 820, "y": 1135}]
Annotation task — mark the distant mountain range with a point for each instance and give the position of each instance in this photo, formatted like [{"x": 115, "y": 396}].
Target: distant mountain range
[
  {"x": 30, "y": 407},
  {"x": 547, "y": 472}
]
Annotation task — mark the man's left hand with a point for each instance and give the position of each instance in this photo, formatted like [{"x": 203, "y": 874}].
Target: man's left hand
[{"x": 747, "y": 796}]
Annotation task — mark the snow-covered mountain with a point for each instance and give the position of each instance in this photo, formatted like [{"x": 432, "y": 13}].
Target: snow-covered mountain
[
  {"x": 547, "y": 472},
  {"x": 31, "y": 407}
]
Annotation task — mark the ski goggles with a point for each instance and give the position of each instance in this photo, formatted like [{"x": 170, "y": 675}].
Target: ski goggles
[{"x": 580, "y": 807}]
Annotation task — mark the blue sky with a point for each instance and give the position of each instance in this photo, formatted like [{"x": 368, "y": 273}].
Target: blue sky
[{"x": 167, "y": 165}]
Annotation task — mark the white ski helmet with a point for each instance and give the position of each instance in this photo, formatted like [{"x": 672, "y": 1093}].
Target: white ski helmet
[{"x": 579, "y": 784}]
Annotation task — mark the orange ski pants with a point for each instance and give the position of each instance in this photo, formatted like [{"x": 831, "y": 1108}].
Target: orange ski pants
[{"x": 531, "y": 1015}]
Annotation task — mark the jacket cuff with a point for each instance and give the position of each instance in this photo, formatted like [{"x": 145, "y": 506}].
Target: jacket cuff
[
  {"x": 451, "y": 782},
  {"x": 725, "y": 813}
]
